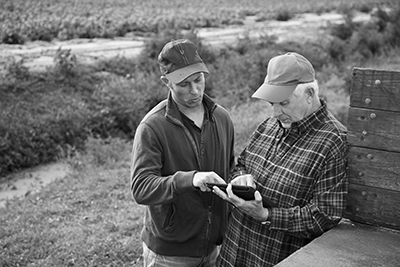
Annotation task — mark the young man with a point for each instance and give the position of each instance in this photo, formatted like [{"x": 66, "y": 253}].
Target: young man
[
  {"x": 183, "y": 143},
  {"x": 297, "y": 160}
]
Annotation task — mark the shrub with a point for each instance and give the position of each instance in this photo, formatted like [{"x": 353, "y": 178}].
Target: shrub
[
  {"x": 315, "y": 52},
  {"x": 375, "y": 37},
  {"x": 343, "y": 31},
  {"x": 12, "y": 38},
  {"x": 367, "y": 42},
  {"x": 336, "y": 49},
  {"x": 119, "y": 103},
  {"x": 65, "y": 63},
  {"x": 392, "y": 27},
  {"x": 236, "y": 74},
  {"x": 37, "y": 133},
  {"x": 283, "y": 15}
]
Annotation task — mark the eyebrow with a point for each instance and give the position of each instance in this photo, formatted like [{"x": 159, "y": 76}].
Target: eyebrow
[
  {"x": 280, "y": 103},
  {"x": 186, "y": 78}
]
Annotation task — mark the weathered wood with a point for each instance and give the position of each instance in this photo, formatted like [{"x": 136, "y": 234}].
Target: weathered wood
[
  {"x": 376, "y": 168},
  {"x": 349, "y": 245},
  {"x": 374, "y": 128},
  {"x": 374, "y": 157},
  {"x": 376, "y": 89},
  {"x": 373, "y": 206}
]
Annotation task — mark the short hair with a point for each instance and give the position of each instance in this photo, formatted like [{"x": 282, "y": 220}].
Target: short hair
[{"x": 302, "y": 87}]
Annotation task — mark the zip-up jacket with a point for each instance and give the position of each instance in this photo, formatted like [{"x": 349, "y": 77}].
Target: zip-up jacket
[{"x": 180, "y": 220}]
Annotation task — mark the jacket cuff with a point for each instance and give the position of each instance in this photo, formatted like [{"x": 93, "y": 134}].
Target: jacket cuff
[{"x": 184, "y": 181}]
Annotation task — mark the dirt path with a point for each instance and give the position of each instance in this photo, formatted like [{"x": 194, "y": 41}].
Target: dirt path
[{"x": 29, "y": 181}]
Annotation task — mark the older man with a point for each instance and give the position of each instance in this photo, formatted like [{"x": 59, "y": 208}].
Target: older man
[{"x": 296, "y": 159}]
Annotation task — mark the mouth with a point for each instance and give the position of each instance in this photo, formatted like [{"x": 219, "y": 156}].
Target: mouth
[{"x": 197, "y": 99}]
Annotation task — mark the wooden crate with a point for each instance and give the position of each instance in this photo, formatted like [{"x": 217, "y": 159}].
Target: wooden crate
[
  {"x": 370, "y": 236},
  {"x": 374, "y": 153}
]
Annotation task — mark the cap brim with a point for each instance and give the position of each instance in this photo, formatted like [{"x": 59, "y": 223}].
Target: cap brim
[
  {"x": 274, "y": 93},
  {"x": 181, "y": 74}
]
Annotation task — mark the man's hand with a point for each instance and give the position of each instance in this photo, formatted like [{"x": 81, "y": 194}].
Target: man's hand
[
  {"x": 244, "y": 179},
  {"x": 253, "y": 208},
  {"x": 201, "y": 179}
]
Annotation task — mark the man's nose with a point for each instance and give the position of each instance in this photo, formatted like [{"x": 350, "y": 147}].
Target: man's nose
[
  {"x": 193, "y": 88},
  {"x": 277, "y": 110}
]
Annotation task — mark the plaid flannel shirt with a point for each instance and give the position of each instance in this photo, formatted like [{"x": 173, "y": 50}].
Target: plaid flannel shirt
[{"x": 303, "y": 171}]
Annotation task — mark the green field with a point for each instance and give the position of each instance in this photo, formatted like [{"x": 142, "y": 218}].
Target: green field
[
  {"x": 22, "y": 21},
  {"x": 87, "y": 115}
]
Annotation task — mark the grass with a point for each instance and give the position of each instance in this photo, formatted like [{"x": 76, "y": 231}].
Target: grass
[
  {"x": 89, "y": 218},
  {"x": 86, "y": 219}
]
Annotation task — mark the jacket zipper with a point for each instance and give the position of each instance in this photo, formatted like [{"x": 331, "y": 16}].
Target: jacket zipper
[{"x": 209, "y": 220}]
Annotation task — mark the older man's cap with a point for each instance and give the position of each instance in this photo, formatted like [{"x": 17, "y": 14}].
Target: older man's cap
[
  {"x": 284, "y": 73},
  {"x": 179, "y": 59}
]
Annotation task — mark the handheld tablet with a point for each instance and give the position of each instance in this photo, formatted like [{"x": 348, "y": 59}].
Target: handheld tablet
[{"x": 244, "y": 192}]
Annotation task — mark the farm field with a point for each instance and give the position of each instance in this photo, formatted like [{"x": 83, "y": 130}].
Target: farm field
[
  {"x": 45, "y": 20},
  {"x": 85, "y": 116}
]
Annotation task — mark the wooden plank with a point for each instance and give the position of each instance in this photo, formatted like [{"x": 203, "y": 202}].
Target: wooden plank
[
  {"x": 350, "y": 245},
  {"x": 373, "y": 206},
  {"x": 376, "y": 89},
  {"x": 374, "y": 128},
  {"x": 374, "y": 168}
]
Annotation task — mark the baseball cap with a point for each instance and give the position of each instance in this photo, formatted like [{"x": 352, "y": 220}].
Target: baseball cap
[
  {"x": 179, "y": 59},
  {"x": 284, "y": 73}
]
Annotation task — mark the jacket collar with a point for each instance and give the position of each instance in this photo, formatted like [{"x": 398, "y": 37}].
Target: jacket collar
[{"x": 172, "y": 110}]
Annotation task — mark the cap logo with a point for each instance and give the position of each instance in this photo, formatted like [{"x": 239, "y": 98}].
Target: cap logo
[{"x": 183, "y": 54}]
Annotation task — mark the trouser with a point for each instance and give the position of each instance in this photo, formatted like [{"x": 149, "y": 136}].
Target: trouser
[{"x": 152, "y": 259}]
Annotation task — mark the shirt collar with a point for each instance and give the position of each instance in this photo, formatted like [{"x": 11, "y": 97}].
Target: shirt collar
[{"x": 312, "y": 121}]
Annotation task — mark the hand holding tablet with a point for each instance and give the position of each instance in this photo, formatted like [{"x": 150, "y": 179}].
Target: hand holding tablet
[{"x": 242, "y": 191}]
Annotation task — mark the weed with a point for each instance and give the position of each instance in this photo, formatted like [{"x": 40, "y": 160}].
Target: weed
[{"x": 65, "y": 63}]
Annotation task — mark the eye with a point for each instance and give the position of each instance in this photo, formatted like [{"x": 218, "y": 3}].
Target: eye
[
  {"x": 182, "y": 84},
  {"x": 284, "y": 103}
]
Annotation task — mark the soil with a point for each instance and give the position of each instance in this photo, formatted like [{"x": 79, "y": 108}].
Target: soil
[{"x": 38, "y": 56}]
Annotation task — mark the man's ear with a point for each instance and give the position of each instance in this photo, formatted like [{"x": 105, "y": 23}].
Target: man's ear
[
  {"x": 165, "y": 81},
  {"x": 310, "y": 94}
]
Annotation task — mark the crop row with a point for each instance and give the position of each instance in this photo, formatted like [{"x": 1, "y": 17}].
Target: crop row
[{"x": 30, "y": 20}]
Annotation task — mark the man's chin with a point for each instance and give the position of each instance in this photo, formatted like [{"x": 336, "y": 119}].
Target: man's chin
[{"x": 286, "y": 125}]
